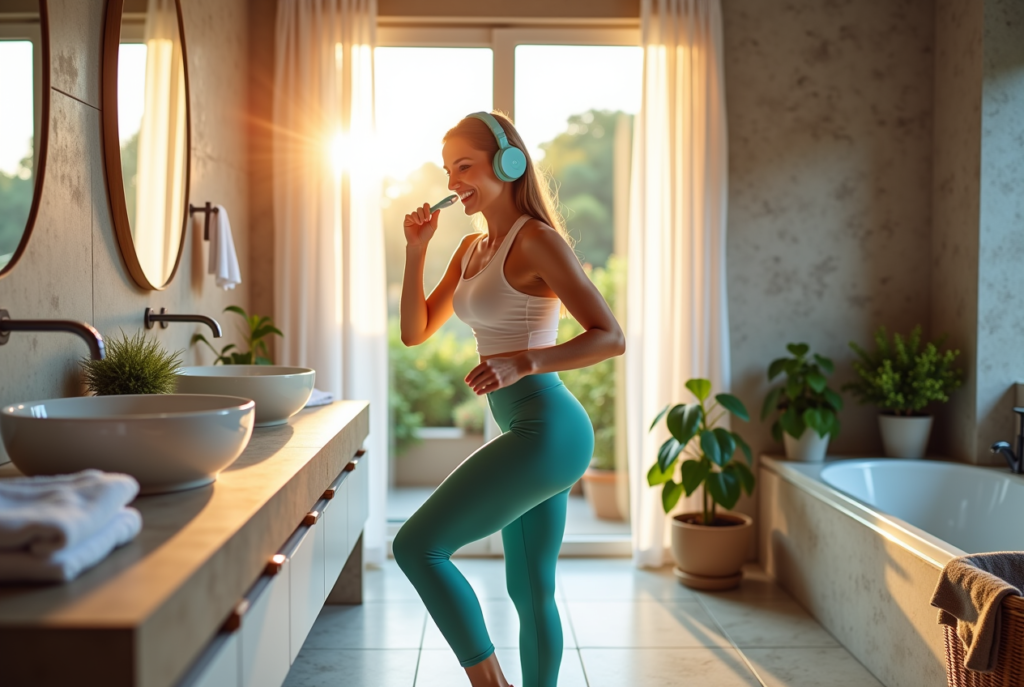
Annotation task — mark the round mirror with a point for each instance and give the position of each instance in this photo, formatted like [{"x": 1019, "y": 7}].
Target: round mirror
[
  {"x": 24, "y": 120},
  {"x": 146, "y": 135}
]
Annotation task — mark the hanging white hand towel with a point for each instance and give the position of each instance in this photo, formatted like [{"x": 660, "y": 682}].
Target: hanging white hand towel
[
  {"x": 40, "y": 515},
  {"x": 67, "y": 564},
  {"x": 223, "y": 260}
]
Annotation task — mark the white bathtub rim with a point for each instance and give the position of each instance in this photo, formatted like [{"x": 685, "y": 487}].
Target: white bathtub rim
[{"x": 921, "y": 544}]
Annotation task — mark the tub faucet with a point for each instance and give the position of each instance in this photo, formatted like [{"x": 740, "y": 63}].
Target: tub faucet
[
  {"x": 1014, "y": 459},
  {"x": 85, "y": 331},
  {"x": 152, "y": 317}
]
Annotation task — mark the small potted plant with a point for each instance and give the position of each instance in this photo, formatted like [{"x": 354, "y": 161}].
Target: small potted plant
[
  {"x": 902, "y": 378},
  {"x": 808, "y": 410},
  {"x": 709, "y": 546},
  {"x": 133, "y": 365}
]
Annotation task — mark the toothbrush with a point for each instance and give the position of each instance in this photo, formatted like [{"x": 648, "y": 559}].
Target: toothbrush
[{"x": 446, "y": 203}]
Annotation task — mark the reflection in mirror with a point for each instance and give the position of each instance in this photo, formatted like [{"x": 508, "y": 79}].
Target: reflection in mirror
[
  {"x": 23, "y": 106},
  {"x": 152, "y": 139}
]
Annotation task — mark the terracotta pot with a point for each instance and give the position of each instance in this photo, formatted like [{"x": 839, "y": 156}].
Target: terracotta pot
[
  {"x": 709, "y": 557},
  {"x": 809, "y": 448},
  {"x": 599, "y": 488},
  {"x": 905, "y": 437}
]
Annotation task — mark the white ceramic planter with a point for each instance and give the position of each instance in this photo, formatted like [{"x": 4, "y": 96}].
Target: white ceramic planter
[
  {"x": 905, "y": 437},
  {"x": 809, "y": 448}
]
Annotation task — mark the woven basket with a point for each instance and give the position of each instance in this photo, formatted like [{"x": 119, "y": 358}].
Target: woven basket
[{"x": 1009, "y": 670}]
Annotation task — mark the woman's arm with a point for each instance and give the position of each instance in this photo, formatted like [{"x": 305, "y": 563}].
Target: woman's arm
[
  {"x": 422, "y": 316},
  {"x": 601, "y": 339}
]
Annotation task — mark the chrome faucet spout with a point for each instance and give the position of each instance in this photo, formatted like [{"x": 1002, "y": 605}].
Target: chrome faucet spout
[
  {"x": 1003, "y": 448},
  {"x": 163, "y": 317},
  {"x": 85, "y": 331}
]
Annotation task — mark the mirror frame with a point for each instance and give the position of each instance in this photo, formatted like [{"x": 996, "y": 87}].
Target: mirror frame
[
  {"x": 44, "y": 137},
  {"x": 112, "y": 146}
]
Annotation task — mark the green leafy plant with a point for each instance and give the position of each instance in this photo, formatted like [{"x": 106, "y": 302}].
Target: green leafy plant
[
  {"x": 710, "y": 451},
  {"x": 805, "y": 400},
  {"x": 255, "y": 332},
  {"x": 901, "y": 377},
  {"x": 133, "y": 365}
]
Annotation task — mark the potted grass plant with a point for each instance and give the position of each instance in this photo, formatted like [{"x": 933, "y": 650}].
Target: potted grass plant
[
  {"x": 902, "y": 377},
  {"x": 807, "y": 408},
  {"x": 709, "y": 545}
]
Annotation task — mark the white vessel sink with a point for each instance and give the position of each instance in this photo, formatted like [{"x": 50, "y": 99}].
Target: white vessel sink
[
  {"x": 279, "y": 391},
  {"x": 167, "y": 442}
]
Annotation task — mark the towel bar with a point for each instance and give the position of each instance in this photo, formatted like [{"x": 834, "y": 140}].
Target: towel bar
[{"x": 208, "y": 209}]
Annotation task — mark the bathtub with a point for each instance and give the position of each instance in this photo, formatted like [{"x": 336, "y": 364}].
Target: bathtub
[{"x": 860, "y": 543}]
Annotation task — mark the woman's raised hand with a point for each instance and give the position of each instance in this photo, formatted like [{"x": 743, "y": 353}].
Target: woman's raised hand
[{"x": 420, "y": 225}]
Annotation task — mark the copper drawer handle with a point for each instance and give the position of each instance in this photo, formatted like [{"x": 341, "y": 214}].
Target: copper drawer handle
[
  {"x": 329, "y": 494},
  {"x": 234, "y": 620},
  {"x": 275, "y": 564},
  {"x": 311, "y": 517},
  {"x": 360, "y": 453}
]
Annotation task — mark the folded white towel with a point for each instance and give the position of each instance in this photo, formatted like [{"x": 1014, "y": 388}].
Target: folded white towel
[
  {"x": 67, "y": 564},
  {"x": 223, "y": 260},
  {"x": 319, "y": 398},
  {"x": 40, "y": 515}
]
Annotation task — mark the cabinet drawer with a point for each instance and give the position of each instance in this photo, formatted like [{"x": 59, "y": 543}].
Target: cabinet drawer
[
  {"x": 306, "y": 582},
  {"x": 264, "y": 636},
  {"x": 336, "y": 536},
  {"x": 218, "y": 666},
  {"x": 358, "y": 500}
]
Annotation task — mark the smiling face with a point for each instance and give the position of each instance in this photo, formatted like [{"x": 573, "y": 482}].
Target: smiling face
[{"x": 470, "y": 175}]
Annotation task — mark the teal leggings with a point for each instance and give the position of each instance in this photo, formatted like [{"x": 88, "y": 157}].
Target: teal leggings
[{"x": 518, "y": 483}]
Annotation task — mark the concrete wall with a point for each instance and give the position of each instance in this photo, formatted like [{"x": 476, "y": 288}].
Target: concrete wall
[
  {"x": 72, "y": 267},
  {"x": 978, "y": 203},
  {"x": 830, "y": 164}
]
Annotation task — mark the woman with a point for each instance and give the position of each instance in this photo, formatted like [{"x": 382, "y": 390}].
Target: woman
[{"x": 509, "y": 285}]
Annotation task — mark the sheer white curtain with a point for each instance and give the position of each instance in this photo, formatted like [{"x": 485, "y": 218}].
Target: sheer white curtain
[
  {"x": 677, "y": 324},
  {"x": 160, "y": 179},
  {"x": 329, "y": 275}
]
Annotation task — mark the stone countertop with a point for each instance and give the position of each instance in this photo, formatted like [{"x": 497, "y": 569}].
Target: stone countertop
[{"x": 144, "y": 614}]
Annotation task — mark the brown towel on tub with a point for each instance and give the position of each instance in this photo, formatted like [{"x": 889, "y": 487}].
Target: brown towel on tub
[{"x": 969, "y": 597}]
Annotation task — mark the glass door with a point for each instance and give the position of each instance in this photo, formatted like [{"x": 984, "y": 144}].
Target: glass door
[{"x": 573, "y": 94}]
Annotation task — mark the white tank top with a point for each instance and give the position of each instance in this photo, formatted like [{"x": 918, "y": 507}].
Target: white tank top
[{"x": 504, "y": 319}]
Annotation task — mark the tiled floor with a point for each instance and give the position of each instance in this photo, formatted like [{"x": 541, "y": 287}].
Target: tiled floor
[{"x": 623, "y": 628}]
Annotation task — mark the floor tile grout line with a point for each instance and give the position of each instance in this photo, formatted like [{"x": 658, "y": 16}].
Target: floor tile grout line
[
  {"x": 721, "y": 628},
  {"x": 583, "y": 666}
]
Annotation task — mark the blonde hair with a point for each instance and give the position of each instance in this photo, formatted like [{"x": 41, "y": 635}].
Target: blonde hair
[{"x": 533, "y": 192}]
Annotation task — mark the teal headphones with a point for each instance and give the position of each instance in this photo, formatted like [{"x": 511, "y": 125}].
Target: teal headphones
[{"x": 509, "y": 162}]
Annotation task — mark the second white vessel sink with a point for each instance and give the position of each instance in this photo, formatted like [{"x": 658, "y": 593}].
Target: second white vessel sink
[
  {"x": 279, "y": 391},
  {"x": 167, "y": 442}
]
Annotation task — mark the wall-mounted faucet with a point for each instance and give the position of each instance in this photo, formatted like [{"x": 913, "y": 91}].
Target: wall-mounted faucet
[
  {"x": 163, "y": 318},
  {"x": 1015, "y": 459},
  {"x": 87, "y": 332}
]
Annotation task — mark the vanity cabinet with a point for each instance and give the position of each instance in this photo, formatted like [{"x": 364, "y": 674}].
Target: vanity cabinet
[
  {"x": 219, "y": 664},
  {"x": 265, "y": 656},
  {"x": 307, "y": 580},
  {"x": 271, "y": 623},
  {"x": 192, "y": 601},
  {"x": 338, "y": 543}
]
